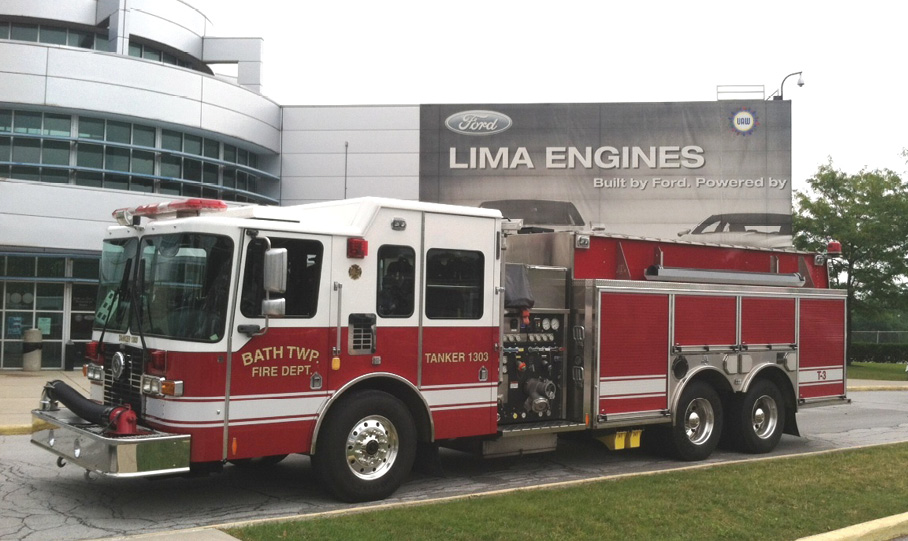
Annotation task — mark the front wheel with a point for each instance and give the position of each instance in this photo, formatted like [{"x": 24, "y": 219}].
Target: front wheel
[
  {"x": 698, "y": 422},
  {"x": 761, "y": 418},
  {"x": 366, "y": 448}
]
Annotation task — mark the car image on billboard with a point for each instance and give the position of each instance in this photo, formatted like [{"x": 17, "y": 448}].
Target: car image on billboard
[
  {"x": 764, "y": 230},
  {"x": 557, "y": 215}
]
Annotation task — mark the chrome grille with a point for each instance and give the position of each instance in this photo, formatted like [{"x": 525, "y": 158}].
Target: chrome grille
[{"x": 128, "y": 388}]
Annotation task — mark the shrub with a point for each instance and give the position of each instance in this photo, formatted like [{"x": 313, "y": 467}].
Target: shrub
[{"x": 878, "y": 353}]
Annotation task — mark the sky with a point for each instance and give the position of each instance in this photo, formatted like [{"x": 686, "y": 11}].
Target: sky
[{"x": 851, "y": 109}]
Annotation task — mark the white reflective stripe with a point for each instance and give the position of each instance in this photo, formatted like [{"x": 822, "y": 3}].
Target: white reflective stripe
[
  {"x": 628, "y": 396},
  {"x": 457, "y": 386},
  {"x": 459, "y": 396},
  {"x": 820, "y": 374},
  {"x": 465, "y": 407},
  {"x": 244, "y": 396},
  {"x": 241, "y": 408},
  {"x": 263, "y": 408},
  {"x": 633, "y": 387},
  {"x": 164, "y": 422}
]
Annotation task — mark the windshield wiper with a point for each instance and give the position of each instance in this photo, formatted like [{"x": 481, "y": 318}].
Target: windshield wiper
[{"x": 113, "y": 300}]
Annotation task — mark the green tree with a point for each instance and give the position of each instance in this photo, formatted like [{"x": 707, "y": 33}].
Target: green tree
[{"x": 868, "y": 214}]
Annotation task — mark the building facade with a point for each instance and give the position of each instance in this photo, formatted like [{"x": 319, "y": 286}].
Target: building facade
[{"x": 106, "y": 104}]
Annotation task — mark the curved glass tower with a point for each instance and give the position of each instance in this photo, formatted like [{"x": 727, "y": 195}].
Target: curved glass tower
[{"x": 106, "y": 104}]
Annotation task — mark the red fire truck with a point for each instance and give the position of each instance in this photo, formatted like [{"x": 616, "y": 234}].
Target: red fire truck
[{"x": 359, "y": 331}]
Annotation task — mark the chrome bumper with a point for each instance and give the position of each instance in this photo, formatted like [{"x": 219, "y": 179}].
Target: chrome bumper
[{"x": 84, "y": 444}]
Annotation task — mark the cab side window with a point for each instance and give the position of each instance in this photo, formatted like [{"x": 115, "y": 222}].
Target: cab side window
[
  {"x": 396, "y": 281},
  {"x": 454, "y": 284},
  {"x": 304, "y": 269}
]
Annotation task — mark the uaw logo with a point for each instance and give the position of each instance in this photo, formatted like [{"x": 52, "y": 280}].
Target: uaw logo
[
  {"x": 744, "y": 121},
  {"x": 478, "y": 122}
]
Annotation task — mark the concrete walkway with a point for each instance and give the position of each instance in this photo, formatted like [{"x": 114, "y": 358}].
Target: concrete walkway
[{"x": 20, "y": 393}]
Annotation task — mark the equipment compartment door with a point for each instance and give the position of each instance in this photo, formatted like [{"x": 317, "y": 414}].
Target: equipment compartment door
[
  {"x": 633, "y": 353},
  {"x": 821, "y": 373}
]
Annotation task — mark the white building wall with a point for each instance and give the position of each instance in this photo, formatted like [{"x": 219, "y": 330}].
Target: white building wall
[
  {"x": 171, "y": 22},
  {"x": 74, "y": 11},
  {"x": 333, "y": 153},
  {"x": 30, "y": 213},
  {"x": 81, "y": 80}
]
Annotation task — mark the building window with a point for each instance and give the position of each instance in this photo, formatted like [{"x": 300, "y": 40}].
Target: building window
[
  {"x": 23, "y": 32},
  {"x": 94, "y": 152}
]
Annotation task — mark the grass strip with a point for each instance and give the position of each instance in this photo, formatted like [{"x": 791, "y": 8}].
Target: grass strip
[
  {"x": 783, "y": 498},
  {"x": 880, "y": 371}
]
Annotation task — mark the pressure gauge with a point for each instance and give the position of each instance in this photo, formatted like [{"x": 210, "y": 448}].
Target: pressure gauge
[
  {"x": 555, "y": 324},
  {"x": 546, "y": 324}
]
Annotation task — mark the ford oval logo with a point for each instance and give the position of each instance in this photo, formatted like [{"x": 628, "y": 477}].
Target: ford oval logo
[{"x": 478, "y": 122}]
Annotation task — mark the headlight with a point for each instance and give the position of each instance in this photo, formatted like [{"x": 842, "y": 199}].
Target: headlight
[
  {"x": 151, "y": 385},
  {"x": 95, "y": 372}
]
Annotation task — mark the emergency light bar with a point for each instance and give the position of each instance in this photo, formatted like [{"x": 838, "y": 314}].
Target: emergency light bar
[{"x": 177, "y": 209}]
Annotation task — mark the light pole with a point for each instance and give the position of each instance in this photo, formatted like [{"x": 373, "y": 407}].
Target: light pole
[{"x": 782, "y": 86}]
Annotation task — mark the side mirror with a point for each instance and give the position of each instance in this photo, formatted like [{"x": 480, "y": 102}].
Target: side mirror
[
  {"x": 275, "y": 270},
  {"x": 274, "y": 307}
]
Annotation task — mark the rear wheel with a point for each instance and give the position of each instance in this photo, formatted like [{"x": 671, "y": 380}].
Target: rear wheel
[
  {"x": 760, "y": 417},
  {"x": 366, "y": 448},
  {"x": 698, "y": 422}
]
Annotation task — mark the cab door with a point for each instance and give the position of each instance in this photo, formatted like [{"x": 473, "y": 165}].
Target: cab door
[
  {"x": 278, "y": 367},
  {"x": 375, "y": 299},
  {"x": 460, "y": 327}
]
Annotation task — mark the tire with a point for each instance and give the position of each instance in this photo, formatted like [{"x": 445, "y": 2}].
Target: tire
[
  {"x": 366, "y": 448},
  {"x": 698, "y": 422},
  {"x": 760, "y": 418},
  {"x": 259, "y": 462}
]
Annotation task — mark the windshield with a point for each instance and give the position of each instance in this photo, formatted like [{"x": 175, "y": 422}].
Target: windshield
[
  {"x": 181, "y": 283},
  {"x": 117, "y": 258}
]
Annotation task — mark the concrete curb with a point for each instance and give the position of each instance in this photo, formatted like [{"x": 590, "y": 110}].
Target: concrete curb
[
  {"x": 24, "y": 430},
  {"x": 881, "y": 529},
  {"x": 16, "y": 430}
]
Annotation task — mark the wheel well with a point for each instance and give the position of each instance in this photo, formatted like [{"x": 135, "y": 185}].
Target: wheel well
[
  {"x": 783, "y": 383},
  {"x": 714, "y": 379},
  {"x": 396, "y": 388}
]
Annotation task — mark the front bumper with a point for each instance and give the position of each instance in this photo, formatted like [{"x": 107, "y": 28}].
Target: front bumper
[{"x": 84, "y": 444}]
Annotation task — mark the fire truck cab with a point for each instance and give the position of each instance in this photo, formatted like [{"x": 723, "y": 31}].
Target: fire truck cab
[{"x": 355, "y": 331}]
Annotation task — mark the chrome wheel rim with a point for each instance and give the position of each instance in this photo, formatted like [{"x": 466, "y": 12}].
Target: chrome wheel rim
[
  {"x": 372, "y": 447},
  {"x": 764, "y": 417},
  {"x": 699, "y": 421}
]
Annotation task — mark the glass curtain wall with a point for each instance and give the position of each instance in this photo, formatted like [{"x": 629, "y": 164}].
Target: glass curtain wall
[
  {"x": 55, "y": 294},
  {"x": 88, "y": 151}
]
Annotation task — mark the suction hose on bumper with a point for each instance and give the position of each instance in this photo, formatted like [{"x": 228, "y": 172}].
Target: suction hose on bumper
[{"x": 120, "y": 420}]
